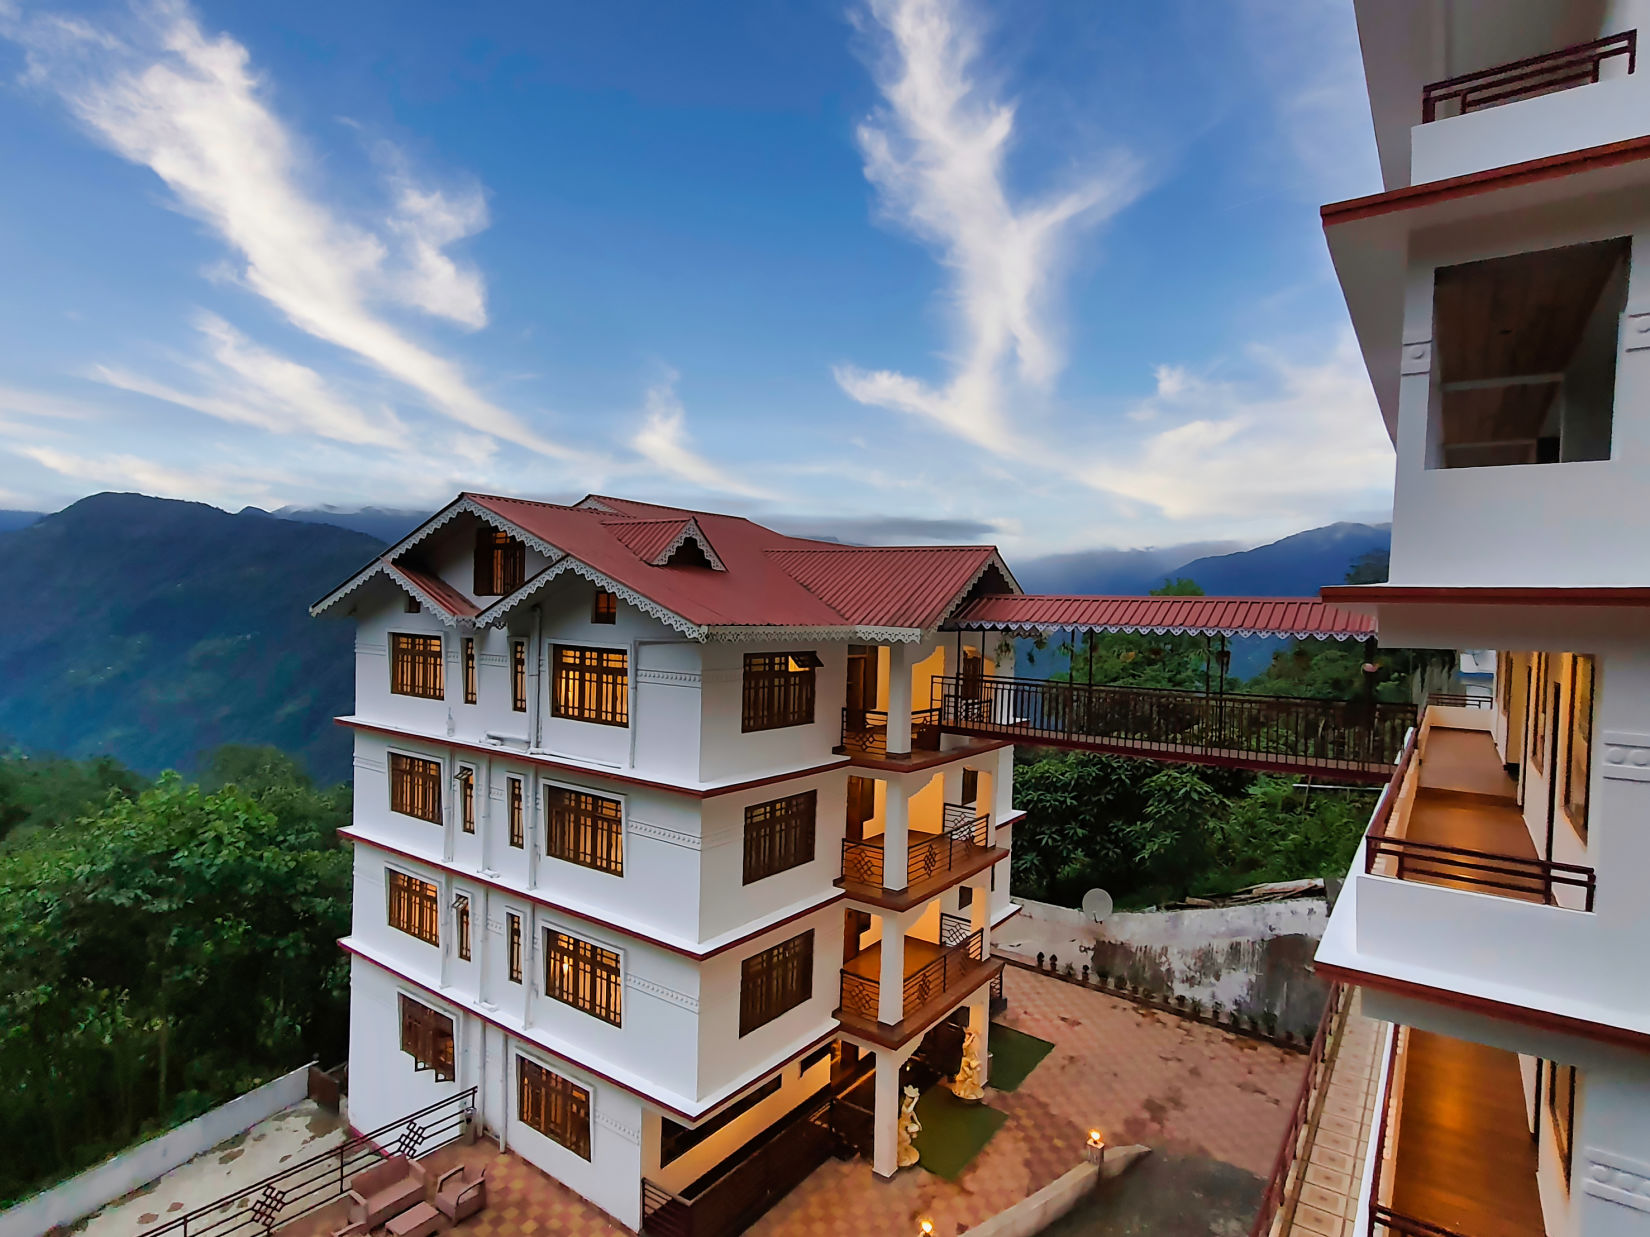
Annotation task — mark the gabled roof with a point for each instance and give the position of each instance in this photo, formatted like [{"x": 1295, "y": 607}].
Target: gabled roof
[
  {"x": 1198, "y": 616},
  {"x": 758, "y": 579}
]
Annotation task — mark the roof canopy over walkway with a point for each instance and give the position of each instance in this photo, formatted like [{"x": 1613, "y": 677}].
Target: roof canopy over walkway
[{"x": 1354, "y": 740}]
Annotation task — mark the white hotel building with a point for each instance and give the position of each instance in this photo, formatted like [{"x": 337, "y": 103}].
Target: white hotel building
[
  {"x": 656, "y": 838},
  {"x": 1497, "y": 917}
]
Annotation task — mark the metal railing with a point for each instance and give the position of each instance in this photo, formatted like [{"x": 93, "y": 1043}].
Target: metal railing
[
  {"x": 313, "y": 1183},
  {"x": 865, "y": 731},
  {"x": 1432, "y": 862},
  {"x": 1319, "y": 1063},
  {"x": 1457, "y": 700},
  {"x": 861, "y": 996},
  {"x": 965, "y": 834},
  {"x": 1577, "y": 65},
  {"x": 1348, "y": 736}
]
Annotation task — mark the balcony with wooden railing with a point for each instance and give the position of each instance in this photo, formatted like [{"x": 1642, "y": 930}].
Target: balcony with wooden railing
[
  {"x": 1578, "y": 65},
  {"x": 1356, "y": 740},
  {"x": 937, "y": 978},
  {"x": 933, "y": 861}
]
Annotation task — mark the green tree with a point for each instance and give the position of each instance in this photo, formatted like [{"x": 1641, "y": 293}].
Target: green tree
[{"x": 1125, "y": 659}]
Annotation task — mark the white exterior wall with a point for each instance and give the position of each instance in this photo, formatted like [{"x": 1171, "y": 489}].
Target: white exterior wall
[{"x": 727, "y": 754}]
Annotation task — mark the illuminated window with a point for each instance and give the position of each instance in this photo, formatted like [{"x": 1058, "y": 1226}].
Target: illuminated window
[
  {"x": 415, "y": 787},
  {"x": 415, "y": 906},
  {"x": 467, "y": 800},
  {"x": 469, "y": 649},
  {"x": 518, "y": 832},
  {"x": 552, "y": 1105},
  {"x": 585, "y": 829},
  {"x": 778, "y": 690},
  {"x": 501, "y": 562},
  {"x": 427, "y": 1036},
  {"x": 518, "y": 675},
  {"x": 461, "y": 917},
  {"x": 1580, "y": 767},
  {"x": 592, "y": 685},
  {"x": 415, "y": 666},
  {"x": 513, "y": 930},
  {"x": 582, "y": 975}
]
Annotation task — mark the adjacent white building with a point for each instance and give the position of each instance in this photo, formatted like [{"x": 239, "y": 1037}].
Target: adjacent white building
[
  {"x": 656, "y": 837},
  {"x": 1500, "y": 289}
]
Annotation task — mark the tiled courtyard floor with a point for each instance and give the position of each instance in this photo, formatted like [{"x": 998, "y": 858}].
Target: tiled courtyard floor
[{"x": 1137, "y": 1075}]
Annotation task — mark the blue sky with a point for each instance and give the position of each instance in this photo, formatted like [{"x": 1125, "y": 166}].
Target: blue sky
[{"x": 1048, "y": 274}]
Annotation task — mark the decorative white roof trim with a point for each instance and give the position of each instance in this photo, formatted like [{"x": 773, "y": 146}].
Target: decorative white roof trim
[
  {"x": 461, "y": 622},
  {"x": 493, "y": 613},
  {"x": 506, "y": 526},
  {"x": 996, "y": 560},
  {"x": 689, "y": 529},
  {"x": 1033, "y": 631},
  {"x": 591, "y": 503},
  {"x": 346, "y": 588},
  {"x": 867, "y": 635}
]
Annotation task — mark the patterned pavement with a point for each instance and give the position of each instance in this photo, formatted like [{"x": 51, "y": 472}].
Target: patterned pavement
[{"x": 1138, "y": 1075}]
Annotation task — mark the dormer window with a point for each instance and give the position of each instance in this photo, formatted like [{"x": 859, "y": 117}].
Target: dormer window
[
  {"x": 501, "y": 562},
  {"x": 605, "y": 608},
  {"x": 690, "y": 554},
  {"x": 412, "y": 604}
]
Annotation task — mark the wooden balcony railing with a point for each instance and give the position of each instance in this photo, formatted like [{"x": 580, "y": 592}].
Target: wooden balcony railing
[
  {"x": 1357, "y": 737},
  {"x": 1437, "y": 863},
  {"x": 860, "y": 996},
  {"x": 1319, "y": 1063},
  {"x": 966, "y": 833},
  {"x": 865, "y": 731},
  {"x": 1578, "y": 65}
]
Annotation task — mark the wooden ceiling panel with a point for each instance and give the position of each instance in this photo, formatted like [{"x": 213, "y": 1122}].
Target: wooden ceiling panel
[{"x": 1496, "y": 414}]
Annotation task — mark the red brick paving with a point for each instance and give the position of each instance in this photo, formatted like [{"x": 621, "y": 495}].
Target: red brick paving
[{"x": 1137, "y": 1075}]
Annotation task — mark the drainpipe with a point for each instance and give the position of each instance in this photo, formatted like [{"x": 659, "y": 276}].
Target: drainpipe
[{"x": 535, "y": 703}]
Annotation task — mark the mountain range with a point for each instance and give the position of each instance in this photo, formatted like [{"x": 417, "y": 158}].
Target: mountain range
[{"x": 153, "y": 630}]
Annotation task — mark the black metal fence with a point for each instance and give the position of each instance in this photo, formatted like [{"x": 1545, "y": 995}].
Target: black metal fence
[
  {"x": 1358, "y": 737},
  {"x": 313, "y": 1183},
  {"x": 865, "y": 731}
]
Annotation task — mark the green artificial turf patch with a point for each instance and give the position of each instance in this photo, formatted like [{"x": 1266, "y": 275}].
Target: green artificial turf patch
[
  {"x": 953, "y": 1131},
  {"x": 1014, "y": 1054}
]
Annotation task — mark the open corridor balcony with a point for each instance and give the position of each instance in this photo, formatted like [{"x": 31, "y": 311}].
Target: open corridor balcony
[
  {"x": 933, "y": 861},
  {"x": 938, "y": 978},
  {"x": 865, "y": 731},
  {"x": 1454, "y": 1156}
]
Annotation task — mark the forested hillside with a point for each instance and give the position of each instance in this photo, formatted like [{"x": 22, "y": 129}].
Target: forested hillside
[{"x": 152, "y": 630}]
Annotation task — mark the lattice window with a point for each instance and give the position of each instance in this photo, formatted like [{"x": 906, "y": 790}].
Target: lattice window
[
  {"x": 415, "y": 787},
  {"x": 469, "y": 655},
  {"x": 414, "y": 906},
  {"x": 513, "y": 928},
  {"x": 1580, "y": 768},
  {"x": 461, "y": 920},
  {"x": 778, "y": 690},
  {"x": 554, "y": 1106},
  {"x": 467, "y": 799},
  {"x": 780, "y": 834},
  {"x": 592, "y": 685},
  {"x": 501, "y": 562},
  {"x": 518, "y": 828},
  {"x": 605, "y": 607},
  {"x": 775, "y": 981},
  {"x": 415, "y": 666},
  {"x": 583, "y": 975},
  {"x": 518, "y": 675},
  {"x": 585, "y": 829},
  {"x": 427, "y": 1036}
]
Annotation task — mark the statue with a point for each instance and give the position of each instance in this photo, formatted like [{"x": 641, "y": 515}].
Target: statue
[
  {"x": 968, "y": 1084},
  {"x": 909, "y": 1127}
]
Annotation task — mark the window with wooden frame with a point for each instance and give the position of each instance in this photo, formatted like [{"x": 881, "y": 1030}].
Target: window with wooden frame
[
  {"x": 775, "y": 981},
  {"x": 518, "y": 675},
  {"x": 415, "y": 666},
  {"x": 554, "y": 1106},
  {"x": 1579, "y": 769},
  {"x": 605, "y": 607},
  {"x": 467, "y": 799},
  {"x": 501, "y": 562},
  {"x": 461, "y": 925},
  {"x": 676, "y": 1141},
  {"x": 412, "y": 604},
  {"x": 1538, "y": 711},
  {"x": 585, "y": 829},
  {"x": 468, "y": 651},
  {"x": 518, "y": 828},
  {"x": 427, "y": 1037},
  {"x": 779, "y": 834},
  {"x": 1561, "y": 1106},
  {"x": 591, "y": 685},
  {"x": 583, "y": 975},
  {"x": 414, "y": 906},
  {"x": 415, "y": 787},
  {"x": 970, "y": 786},
  {"x": 778, "y": 690},
  {"x": 512, "y": 927}
]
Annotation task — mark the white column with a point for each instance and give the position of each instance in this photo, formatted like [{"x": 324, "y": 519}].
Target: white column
[
  {"x": 891, "y": 976},
  {"x": 899, "y": 698},
  {"x": 979, "y": 910},
  {"x": 885, "y": 1145},
  {"x": 979, "y": 1021},
  {"x": 1002, "y": 785},
  {"x": 896, "y": 834}
]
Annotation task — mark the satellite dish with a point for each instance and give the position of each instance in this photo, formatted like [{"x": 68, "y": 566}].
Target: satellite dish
[{"x": 1096, "y": 905}]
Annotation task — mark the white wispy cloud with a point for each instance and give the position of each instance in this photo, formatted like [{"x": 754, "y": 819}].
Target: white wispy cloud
[
  {"x": 936, "y": 153},
  {"x": 663, "y": 442},
  {"x": 229, "y": 488},
  {"x": 1292, "y": 442},
  {"x": 189, "y": 105}
]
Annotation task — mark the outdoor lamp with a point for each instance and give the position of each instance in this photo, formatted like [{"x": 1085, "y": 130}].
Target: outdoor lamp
[
  {"x": 925, "y": 1226},
  {"x": 1095, "y": 1148}
]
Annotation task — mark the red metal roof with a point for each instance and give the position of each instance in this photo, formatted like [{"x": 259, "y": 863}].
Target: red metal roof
[
  {"x": 886, "y": 586},
  {"x": 1230, "y": 616},
  {"x": 435, "y": 589},
  {"x": 646, "y": 537}
]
